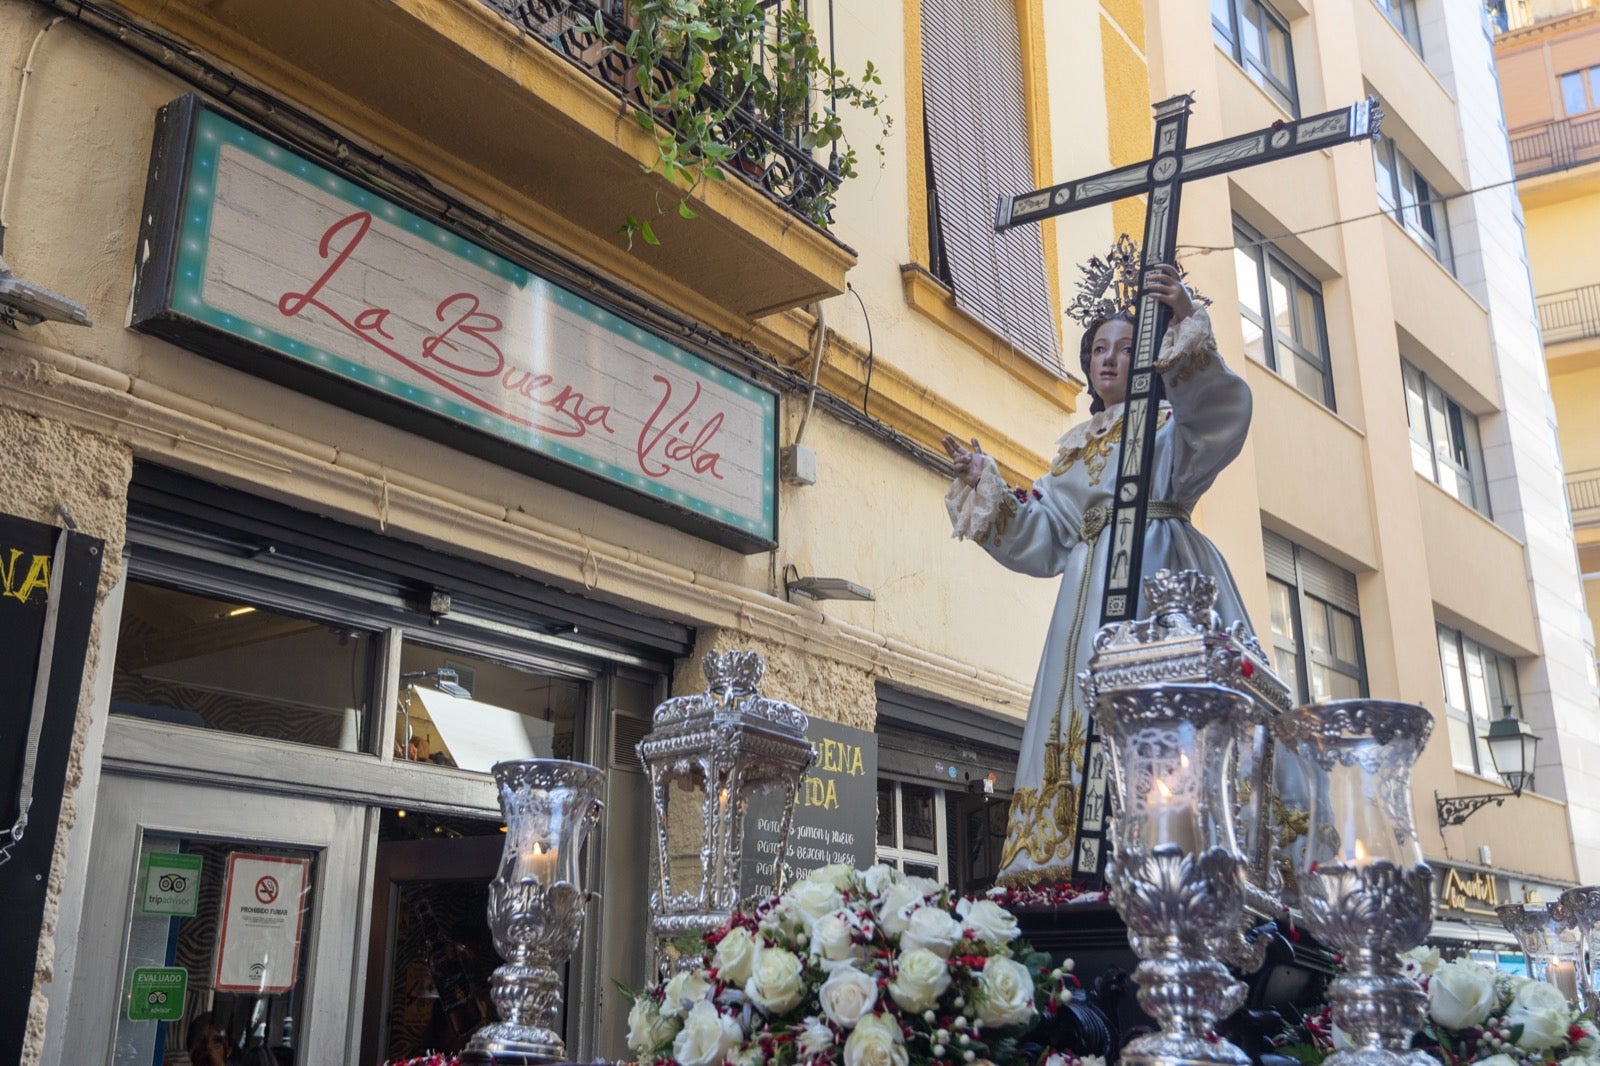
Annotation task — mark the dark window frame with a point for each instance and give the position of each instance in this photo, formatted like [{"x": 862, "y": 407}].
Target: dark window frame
[
  {"x": 1249, "y": 243},
  {"x": 1295, "y": 643},
  {"x": 1412, "y": 201},
  {"x": 1463, "y": 440},
  {"x": 1260, "y": 18},
  {"x": 1402, "y": 15},
  {"x": 1497, "y": 670}
]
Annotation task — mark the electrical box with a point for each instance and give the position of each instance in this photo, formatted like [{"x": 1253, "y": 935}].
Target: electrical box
[{"x": 798, "y": 464}]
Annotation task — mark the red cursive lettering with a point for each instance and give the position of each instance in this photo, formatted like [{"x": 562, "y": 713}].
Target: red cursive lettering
[
  {"x": 669, "y": 440},
  {"x": 474, "y": 324}
]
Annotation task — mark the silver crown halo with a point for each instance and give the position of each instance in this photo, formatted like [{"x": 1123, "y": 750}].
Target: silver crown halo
[{"x": 1110, "y": 284}]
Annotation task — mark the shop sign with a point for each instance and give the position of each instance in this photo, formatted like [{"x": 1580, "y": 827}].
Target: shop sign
[
  {"x": 48, "y": 582},
  {"x": 1468, "y": 892},
  {"x": 169, "y": 883},
  {"x": 156, "y": 993},
  {"x": 257, "y": 256},
  {"x": 262, "y": 913},
  {"x": 835, "y": 814}
]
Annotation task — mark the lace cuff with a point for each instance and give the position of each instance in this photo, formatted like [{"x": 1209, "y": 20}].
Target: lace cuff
[
  {"x": 973, "y": 510},
  {"x": 1188, "y": 347}
]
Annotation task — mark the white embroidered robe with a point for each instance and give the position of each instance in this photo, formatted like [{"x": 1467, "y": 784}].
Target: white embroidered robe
[{"x": 1042, "y": 532}]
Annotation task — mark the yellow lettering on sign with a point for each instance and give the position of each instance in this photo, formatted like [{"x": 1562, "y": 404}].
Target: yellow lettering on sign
[
  {"x": 1458, "y": 891},
  {"x": 37, "y": 576},
  {"x": 821, "y": 793},
  {"x": 837, "y": 757}
]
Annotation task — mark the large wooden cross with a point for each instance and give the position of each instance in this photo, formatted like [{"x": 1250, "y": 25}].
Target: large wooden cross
[{"x": 1161, "y": 177}]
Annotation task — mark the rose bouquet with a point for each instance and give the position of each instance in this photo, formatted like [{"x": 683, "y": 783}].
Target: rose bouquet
[
  {"x": 1480, "y": 1015},
  {"x": 864, "y": 968}
]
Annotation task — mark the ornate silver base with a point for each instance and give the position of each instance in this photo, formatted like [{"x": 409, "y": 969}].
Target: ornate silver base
[
  {"x": 505, "y": 1043},
  {"x": 522, "y": 993},
  {"x": 1187, "y": 996}
]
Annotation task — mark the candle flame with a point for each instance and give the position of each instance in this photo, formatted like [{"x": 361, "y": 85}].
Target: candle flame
[
  {"x": 1165, "y": 792},
  {"x": 1360, "y": 852}
]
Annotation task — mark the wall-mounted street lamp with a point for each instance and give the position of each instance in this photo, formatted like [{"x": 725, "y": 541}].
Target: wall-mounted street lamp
[
  {"x": 822, "y": 588},
  {"x": 1512, "y": 745}
]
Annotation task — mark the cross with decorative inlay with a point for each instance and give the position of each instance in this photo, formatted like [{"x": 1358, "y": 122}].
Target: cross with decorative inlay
[{"x": 1162, "y": 178}]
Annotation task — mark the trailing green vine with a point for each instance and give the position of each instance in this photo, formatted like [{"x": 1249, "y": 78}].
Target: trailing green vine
[{"x": 696, "y": 63}]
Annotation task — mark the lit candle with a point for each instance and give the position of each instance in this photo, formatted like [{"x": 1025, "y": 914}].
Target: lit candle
[
  {"x": 539, "y": 862},
  {"x": 1358, "y": 855},
  {"x": 1172, "y": 821},
  {"x": 1564, "y": 975}
]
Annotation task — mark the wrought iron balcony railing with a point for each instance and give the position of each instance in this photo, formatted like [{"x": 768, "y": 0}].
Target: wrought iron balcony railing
[
  {"x": 1570, "y": 315},
  {"x": 769, "y": 151},
  {"x": 1557, "y": 145}
]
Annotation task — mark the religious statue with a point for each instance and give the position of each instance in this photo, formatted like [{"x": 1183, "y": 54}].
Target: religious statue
[{"x": 1056, "y": 526}]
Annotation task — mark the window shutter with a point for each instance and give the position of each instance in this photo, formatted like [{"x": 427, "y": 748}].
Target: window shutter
[
  {"x": 976, "y": 127},
  {"x": 1280, "y": 557},
  {"x": 1314, "y": 576}
]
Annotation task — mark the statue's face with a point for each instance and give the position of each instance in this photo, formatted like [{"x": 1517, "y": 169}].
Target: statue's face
[{"x": 1108, "y": 360}]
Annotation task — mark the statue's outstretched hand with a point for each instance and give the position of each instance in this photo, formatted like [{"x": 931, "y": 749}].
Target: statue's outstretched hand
[
  {"x": 1165, "y": 284},
  {"x": 967, "y": 463}
]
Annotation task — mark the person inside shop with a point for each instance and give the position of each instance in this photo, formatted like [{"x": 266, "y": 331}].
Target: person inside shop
[
  {"x": 207, "y": 1044},
  {"x": 1058, "y": 528}
]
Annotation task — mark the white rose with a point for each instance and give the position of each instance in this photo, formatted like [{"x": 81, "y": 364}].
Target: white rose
[
  {"x": 815, "y": 1038},
  {"x": 919, "y": 980},
  {"x": 833, "y": 939},
  {"x": 1497, "y": 1060},
  {"x": 836, "y": 876},
  {"x": 749, "y": 1055},
  {"x": 1420, "y": 961},
  {"x": 685, "y": 989},
  {"x": 1007, "y": 993},
  {"x": 876, "y": 1041},
  {"x": 706, "y": 1036},
  {"x": 1092, "y": 1060},
  {"x": 648, "y": 1028},
  {"x": 1461, "y": 994},
  {"x": 1580, "y": 1060},
  {"x": 895, "y": 906},
  {"x": 775, "y": 985},
  {"x": 1590, "y": 1041},
  {"x": 847, "y": 996},
  {"x": 993, "y": 924},
  {"x": 810, "y": 900},
  {"x": 733, "y": 956},
  {"x": 932, "y": 928},
  {"x": 878, "y": 877},
  {"x": 1543, "y": 1013}
]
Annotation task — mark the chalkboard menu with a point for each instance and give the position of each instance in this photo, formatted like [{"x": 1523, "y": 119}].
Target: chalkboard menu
[
  {"x": 835, "y": 814},
  {"x": 47, "y": 592}
]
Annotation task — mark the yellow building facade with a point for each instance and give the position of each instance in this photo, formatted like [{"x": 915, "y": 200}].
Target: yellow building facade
[{"x": 300, "y": 552}]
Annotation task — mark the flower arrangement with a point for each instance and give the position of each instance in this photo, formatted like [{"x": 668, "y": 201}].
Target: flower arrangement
[
  {"x": 1481, "y": 1015},
  {"x": 1477, "y": 1015},
  {"x": 864, "y": 968}
]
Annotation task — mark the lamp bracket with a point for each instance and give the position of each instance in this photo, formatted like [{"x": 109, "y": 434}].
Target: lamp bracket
[{"x": 1454, "y": 810}]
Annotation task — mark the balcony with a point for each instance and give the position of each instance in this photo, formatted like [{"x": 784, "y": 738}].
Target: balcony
[
  {"x": 1570, "y": 315},
  {"x": 516, "y": 106},
  {"x": 1583, "y": 496},
  {"x": 1557, "y": 145}
]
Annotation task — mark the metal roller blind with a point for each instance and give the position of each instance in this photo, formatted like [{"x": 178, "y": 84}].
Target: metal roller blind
[
  {"x": 1315, "y": 575},
  {"x": 977, "y": 137}
]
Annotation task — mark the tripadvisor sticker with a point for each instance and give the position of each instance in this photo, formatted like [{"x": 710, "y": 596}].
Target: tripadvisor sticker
[
  {"x": 155, "y": 993},
  {"x": 169, "y": 883}
]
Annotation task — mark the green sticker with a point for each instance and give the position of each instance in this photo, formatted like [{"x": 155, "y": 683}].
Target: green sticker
[
  {"x": 155, "y": 993},
  {"x": 169, "y": 883}
]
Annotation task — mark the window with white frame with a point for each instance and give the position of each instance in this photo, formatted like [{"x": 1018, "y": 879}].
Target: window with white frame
[
  {"x": 1316, "y": 623},
  {"x": 1281, "y": 309},
  {"x": 1580, "y": 90},
  {"x": 911, "y": 829},
  {"x": 1480, "y": 684},
  {"x": 1257, "y": 38},
  {"x": 1412, "y": 201},
  {"x": 1445, "y": 446},
  {"x": 1403, "y": 13}
]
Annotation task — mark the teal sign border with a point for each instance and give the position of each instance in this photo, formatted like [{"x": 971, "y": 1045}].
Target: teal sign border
[{"x": 175, "y": 297}]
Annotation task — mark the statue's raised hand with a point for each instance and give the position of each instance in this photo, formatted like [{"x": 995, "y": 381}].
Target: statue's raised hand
[{"x": 967, "y": 463}]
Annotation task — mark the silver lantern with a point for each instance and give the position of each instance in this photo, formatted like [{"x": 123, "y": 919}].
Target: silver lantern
[
  {"x": 706, "y": 755},
  {"x": 535, "y": 903},
  {"x": 1582, "y": 908}
]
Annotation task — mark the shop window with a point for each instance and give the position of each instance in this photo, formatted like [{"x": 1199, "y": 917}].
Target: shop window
[
  {"x": 911, "y": 829},
  {"x": 470, "y": 712},
  {"x": 1445, "y": 446},
  {"x": 237, "y": 666},
  {"x": 1480, "y": 684},
  {"x": 1257, "y": 38},
  {"x": 1280, "y": 307},
  {"x": 1316, "y": 624}
]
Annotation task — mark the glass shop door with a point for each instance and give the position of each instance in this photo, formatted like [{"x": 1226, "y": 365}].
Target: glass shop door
[{"x": 226, "y": 924}]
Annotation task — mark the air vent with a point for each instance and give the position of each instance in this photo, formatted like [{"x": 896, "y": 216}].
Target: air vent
[{"x": 626, "y": 732}]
